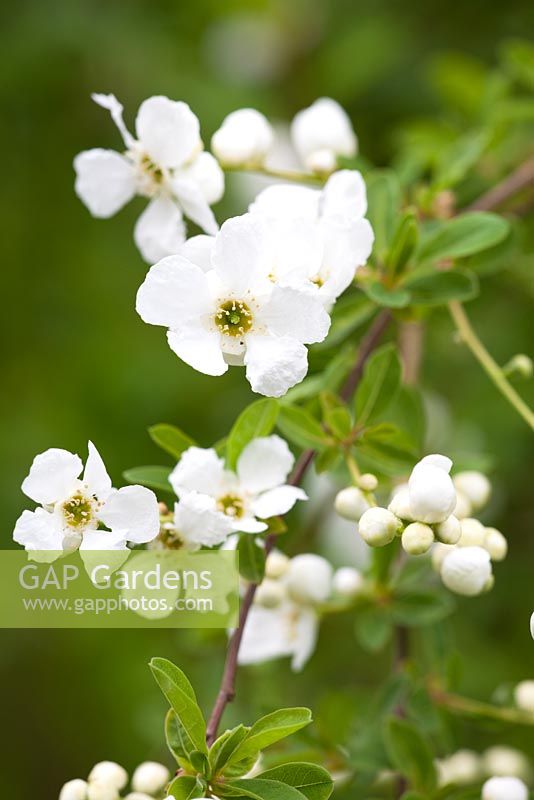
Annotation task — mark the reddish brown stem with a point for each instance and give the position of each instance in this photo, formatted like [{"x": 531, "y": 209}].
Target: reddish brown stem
[{"x": 520, "y": 179}]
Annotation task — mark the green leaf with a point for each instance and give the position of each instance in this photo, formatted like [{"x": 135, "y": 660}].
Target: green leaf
[
  {"x": 222, "y": 750},
  {"x": 347, "y": 315},
  {"x": 184, "y": 787},
  {"x": 177, "y": 740},
  {"x": 313, "y": 781},
  {"x": 421, "y": 607},
  {"x": 339, "y": 421},
  {"x": 327, "y": 459},
  {"x": 384, "y": 198},
  {"x": 404, "y": 244},
  {"x": 260, "y": 790},
  {"x": 462, "y": 236},
  {"x": 438, "y": 288},
  {"x": 272, "y": 728},
  {"x": 251, "y": 558},
  {"x": 457, "y": 159},
  {"x": 301, "y": 428},
  {"x": 379, "y": 385},
  {"x": 390, "y": 298},
  {"x": 170, "y": 438},
  {"x": 153, "y": 477},
  {"x": 373, "y": 629},
  {"x": 258, "y": 419},
  {"x": 179, "y": 692},
  {"x": 410, "y": 754}
]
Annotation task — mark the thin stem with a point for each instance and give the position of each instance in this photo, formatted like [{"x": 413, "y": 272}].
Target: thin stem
[
  {"x": 367, "y": 345},
  {"x": 465, "y": 706},
  {"x": 520, "y": 179},
  {"x": 286, "y": 175},
  {"x": 470, "y": 338}
]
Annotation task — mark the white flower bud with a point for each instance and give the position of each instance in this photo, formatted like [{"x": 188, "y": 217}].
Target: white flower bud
[
  {"x": 276, "y": 565},
  {"x": 322, "y": 132},
  {"x": 100, "y": 790},
  {"x": 432, "y": 493},
  {"x": 270, "y": 593},
  {"x": 524, "y": 695},
  {"x": 350, "y": 503},
  {"x": 74, "y": 790},
  {"x": 309, "y": 578},
  {"x": 503, "y": 761},
  {"x": 532, "y": 624},
  {"x": 378, "y": 526},
  {"x": 461, "y": 768},
  {"x": 138, "y": 796},
  {"x": 347, "y": 582},
  {"x": 466, "y": 570},
  {"x": 475, "y": 486},
  {"x": 449, "y": 531},
  {"x": 400, "y": 503},
  {"x": 521, "y": 364},
  {"x": 417, "y": 539},
  {"x": 473, "y": 533},
  {"x": 245, "y": 137},
  {"x": 504, "y": 788},
  {"x": 368, "y": 482},
  {"x": 110, "y": 773},
  {"x": 439, "y": 551},
  {"x": 150, "y": 777},
  {"x": 496, "y": 544},
  {"x": 463, "y": 507}
]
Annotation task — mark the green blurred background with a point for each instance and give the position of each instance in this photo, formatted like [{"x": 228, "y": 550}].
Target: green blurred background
[{"x": 79, "y": 363}]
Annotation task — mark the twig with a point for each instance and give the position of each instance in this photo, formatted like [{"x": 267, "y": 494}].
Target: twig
[
  {"x": 520, "y": 179},
  {"x": 367, "y": 345},
  {"x": 465, "y": 706},
  {"x": 286, "y": 175}
]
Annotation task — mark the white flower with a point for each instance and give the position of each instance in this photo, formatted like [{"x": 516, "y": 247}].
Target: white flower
[
  {"x": 197, "y": 523},
  {"x": 73, "y": 508},
  {"x": 503, "y": 761},
  {"x": 322, "y": 132},
  {"x": 347, "y": 582},
  {"x": 461, "y": 768},
  {"x": 341, "y": 239},
  {"x": 276, "y": 564},
  {"x": 350, "y": 503},
  {"x": 504, "y": 788},
  {"x": 400, "y": 503},
  {"x": 309, "y": 578},
  {"x": 475, "y": 486},
  {"x": 431, "y": 490},
  {"x": 245, "y": 137},
  {"x": 150, "y": 777},
  {"x": 74, "y": 790},
  {"x": 165, "y": 163},
  {"x": 449, "y": 531},
  {"x": 110, "y": 773},
  {"x": 463, "y": 506},
  {"x": 495, "y": 543},
  {"x": 417, "y": 538},
  {"x": 466, "y": 570},
  {"x": 473, "y": 533},
  {"x": 254, "y": 492},
  {"x": 234, "y": 313},
  {"x": 524, "y": 695},
  {"x": 378, "y": 526}
]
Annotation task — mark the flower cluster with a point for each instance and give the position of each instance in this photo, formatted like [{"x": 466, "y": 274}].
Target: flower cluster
[
  {"x": 107, "y": 780},
  {"x": 497, "y": 763}
]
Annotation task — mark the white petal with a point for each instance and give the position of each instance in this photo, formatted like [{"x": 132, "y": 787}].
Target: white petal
[
  {"x": 293, "y": 250},
  {"x": 347, "y": 246},
  {"x": 95, "y": 474},
  {"x": 295, "y": 313},
  {"x": 431, "y": 490},
  {"x": 116, "y": 109},
  {"x": 325, "y": 125},
  {"x": 38, "y": 530},
  {"x": 287, "y": 201},
  {"x": 133, "y": 511},
  {"x": 266, "y": 636},
  {"x": 277, "y": 501},
  {"x": 103, "y": 540},
  {"x": 199, "y": 470},
  {"x": 198, "y": 250},
  {"x": 160, "y": 230},
  {"x": 249, "y": 525},
  {"x": 105, "y": 181},
  {"x": 239, "y": 255},
  {"x": 344, "y": 195},
  {"x": 204, "y": 171},
  {"x": 274, "y": 364},
  {"x": 173, "y": 293},
  {"x": 264, "y": 463},
  {"x": 194, "y": 204},
  {"x": 304, "y": 638},
  {"x": 199, "y": 348},
  {"x": 52, "y": 476},
  {"x": 199, "y": 523},
  {"x": 244, "y": 136},
  {"x": 168, "y": 130}
]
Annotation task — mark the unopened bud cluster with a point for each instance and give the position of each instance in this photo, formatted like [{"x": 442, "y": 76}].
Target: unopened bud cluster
[
  {"x": 107, "y": 780},
  {"x": 502, "y": 768}
]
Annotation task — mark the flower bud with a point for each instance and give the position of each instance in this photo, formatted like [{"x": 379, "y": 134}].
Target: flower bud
[
  {"x": 368, "y": 482},
  {"x": 276, "y": 565},
  {"x": 417, "y": 539},
  {"x": 378, "y": 526},
  {"x": 461, "y": 768},
  {"x": 521, "y": 364},
  {"x": 150, "y": 777},
  {"x": 309, "y": 578},
  {"x": 473, "y": 533},
  {"x": 110, "y": 773},
  {"x": 496, "y": 545},
  {"x": 74, "y": 790},
  {"x": 463, "y": 507},
  {"x": 503, "y": 761},
  {"x": 524, "y": 695},
  {"x": 466, "y": 570},
  {"x": 431, "y": 490},
  {"x": 504, "y": 788},
  {"x": 449, "y": 531},
  {"x": 347, "y": 582},
  {"x": 138, "y": 796},
  {"x": 475, "y": 486},
  {"x": 350, "y": 503},
  {"x": 322, "y": 132},
  {"x": 270, "y": 593},
  {"x": 400, "y": 503},
  {"x": 245, "y": 137},
  {"x": 100, "y": 790},
  {"x": 439, "y": 551}
]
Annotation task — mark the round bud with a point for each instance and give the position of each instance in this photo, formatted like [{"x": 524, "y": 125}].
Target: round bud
[
  {"x": 74, "y": 790},
  {"x": 524, "y": 695},
  {"x": 110, "y": 773},
  {"x": 368, "y": 482},
  {"x": 461, "y": 768},
  {"x": 417, "y": 539},
  {"x": 321, "y": 161},
  {"x": 309, "y": 578},
  {"x": 466, "y": 570},
  {"x": 150, "y": 777},
  {"x": 439, "y": 551},
  {"x": 276, "y": 564},
  {"x": 502, "y": 761},
  {"x": 475, "y": 486},
  {"x": 473, "y": 533},
  {"x": 378, "y": 526},
  {"x": 350, "y": 503},
  {"x": 347, "y": 582},
  {"x": 520, "y": 364},
  {"x": 270, "y": 593},
  {"x": 496, "y": 544},
  {"x": 504, "y": 788},
  {"x": 245, "y": 136},
  {"x": 432, "y": 493},
  {"x": 400, "y": 503},
  {"x": 100, "y": 790},
  {"x": 138, "y": 796},
  {"x": 463, "y": 507},
  {"x": 449, "y": 531}
]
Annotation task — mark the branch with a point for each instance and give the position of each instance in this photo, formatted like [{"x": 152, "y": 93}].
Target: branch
[
  {"x": 520, "y": 179},
  {"x": 465, "y": 706},
  {"x": 281, "y": 174}
]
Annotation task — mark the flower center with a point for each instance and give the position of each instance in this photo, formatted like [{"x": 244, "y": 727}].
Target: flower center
[
  {"x": 78, "y": 511},
  {"x": 233, "y": 318},
  {"x": 170, "y": 539},
  {"x": 151, "y": 170},
  {"x": 318, "y": 281},
  {"x": 231, "y": 505}
]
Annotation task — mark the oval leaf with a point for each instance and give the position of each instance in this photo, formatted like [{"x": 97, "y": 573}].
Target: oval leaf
[
  {"x": 152, "y": 476},
  {"x": 462, "y": 236},
  {"x": 272, "y": 728},
  {"x": 379, "y": 385},
  {"x": 313, "y": 781},
  {"x": 258, "y": 419},
  {"x": 170, "y": 438},
  {"x": 181, "y": 696}
]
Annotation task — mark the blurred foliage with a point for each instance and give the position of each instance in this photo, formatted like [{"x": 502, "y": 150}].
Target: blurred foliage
[{"x": 78, "y": 362}]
